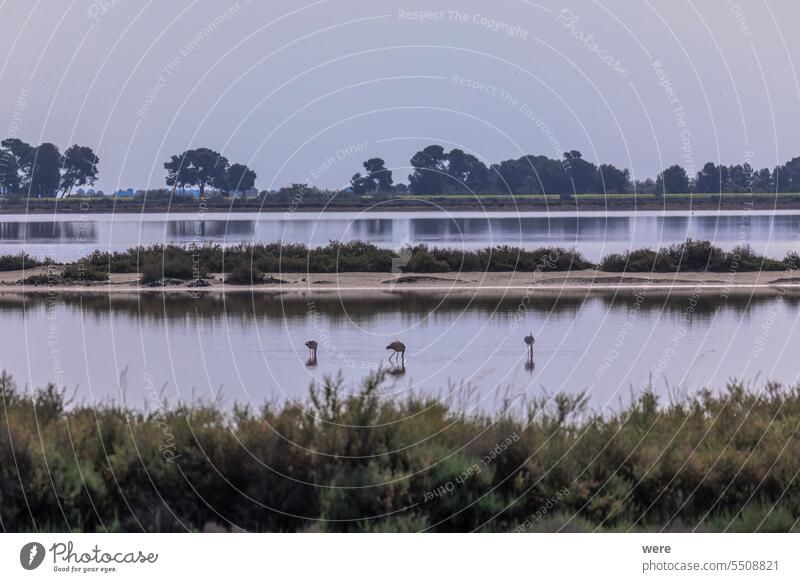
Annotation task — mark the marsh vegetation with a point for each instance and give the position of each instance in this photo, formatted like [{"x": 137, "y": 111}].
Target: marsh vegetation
[
  {"x": 354, "y": 460},
  {"x": 252, "y": 263}
]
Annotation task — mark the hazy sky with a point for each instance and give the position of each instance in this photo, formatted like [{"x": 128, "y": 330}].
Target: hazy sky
[{"x": 306, "y": 92}]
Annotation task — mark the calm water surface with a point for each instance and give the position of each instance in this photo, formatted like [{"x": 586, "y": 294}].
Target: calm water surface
[
  {"x": 250, "y": 348},
  {"x": 68, "y": 237}
]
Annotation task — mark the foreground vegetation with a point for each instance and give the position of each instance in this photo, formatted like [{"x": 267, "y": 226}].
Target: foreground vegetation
[
  {"x": 253, "y": 263},
  {"x": 360, "y": 462}
]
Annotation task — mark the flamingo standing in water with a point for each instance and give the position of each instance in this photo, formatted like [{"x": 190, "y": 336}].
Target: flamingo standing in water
[
  {"x": 529, "y": 341},
  {"x": 312, "y": 346},
  {"x": 398, "y": 348}
]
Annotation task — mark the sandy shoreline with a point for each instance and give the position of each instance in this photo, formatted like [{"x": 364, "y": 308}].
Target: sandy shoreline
[{"x": 484, "y": 284}]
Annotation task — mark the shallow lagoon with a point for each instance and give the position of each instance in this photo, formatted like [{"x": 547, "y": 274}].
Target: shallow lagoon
[
  {"x": 68, "y": 237},
  {"x": 250, "y": 348}
]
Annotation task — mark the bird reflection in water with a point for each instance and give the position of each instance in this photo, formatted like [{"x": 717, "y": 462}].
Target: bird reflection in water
[
  {"x": 397, "y": 369},
  {"x": 529, "y": 365}
]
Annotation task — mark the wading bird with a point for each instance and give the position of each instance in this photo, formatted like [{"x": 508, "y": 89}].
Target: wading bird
[
  {"x": 529, "y": 341},
  {"x": 398, "y": 348},
  {"x": 312, "y": 346},
  {"x": 312, "y": 359}
]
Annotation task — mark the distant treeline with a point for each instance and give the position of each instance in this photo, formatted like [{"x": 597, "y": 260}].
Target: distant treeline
[
  {"x": 43, "y": 171},
  {"x": 364, "y": 462},
  {"x": 253, "y": 263},
  {"x": 437, "y": 171}
]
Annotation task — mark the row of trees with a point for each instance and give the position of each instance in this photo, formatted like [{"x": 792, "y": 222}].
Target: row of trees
[
  {"x": 203, "y": 168},
  {"x": 437, "y": 171},
  {"x": 43, "y": 170}
]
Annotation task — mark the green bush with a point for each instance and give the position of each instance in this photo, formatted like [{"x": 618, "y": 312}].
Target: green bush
[
  {"x": 423, "y": 261},
  {"x": 83, "y": 272},
  {"x": 245, "y": 274},
  {"x": 41, "y": 279},
  {"x": 170, "y": 262},
  {"x": 639, "y": 261},
  {"x": 694, "y": 256},
  {"x": 18, "y": 262}
]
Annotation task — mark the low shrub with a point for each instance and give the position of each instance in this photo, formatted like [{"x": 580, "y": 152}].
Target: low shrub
[
  {"x": 245, "y": 274},
  {"x": 638, "y": 261},
  {"x": 694, "y": 256},
  {"x": 83, "y": 272},
  {"x": 185, "y": 263},
  {"x": 18, "y": 262},
  {"x": 172, "y": 262},
  {"x": 356, "y": 256},
  {"x": 354, "y": 461},
  {"x": 42, "y": 279}
]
